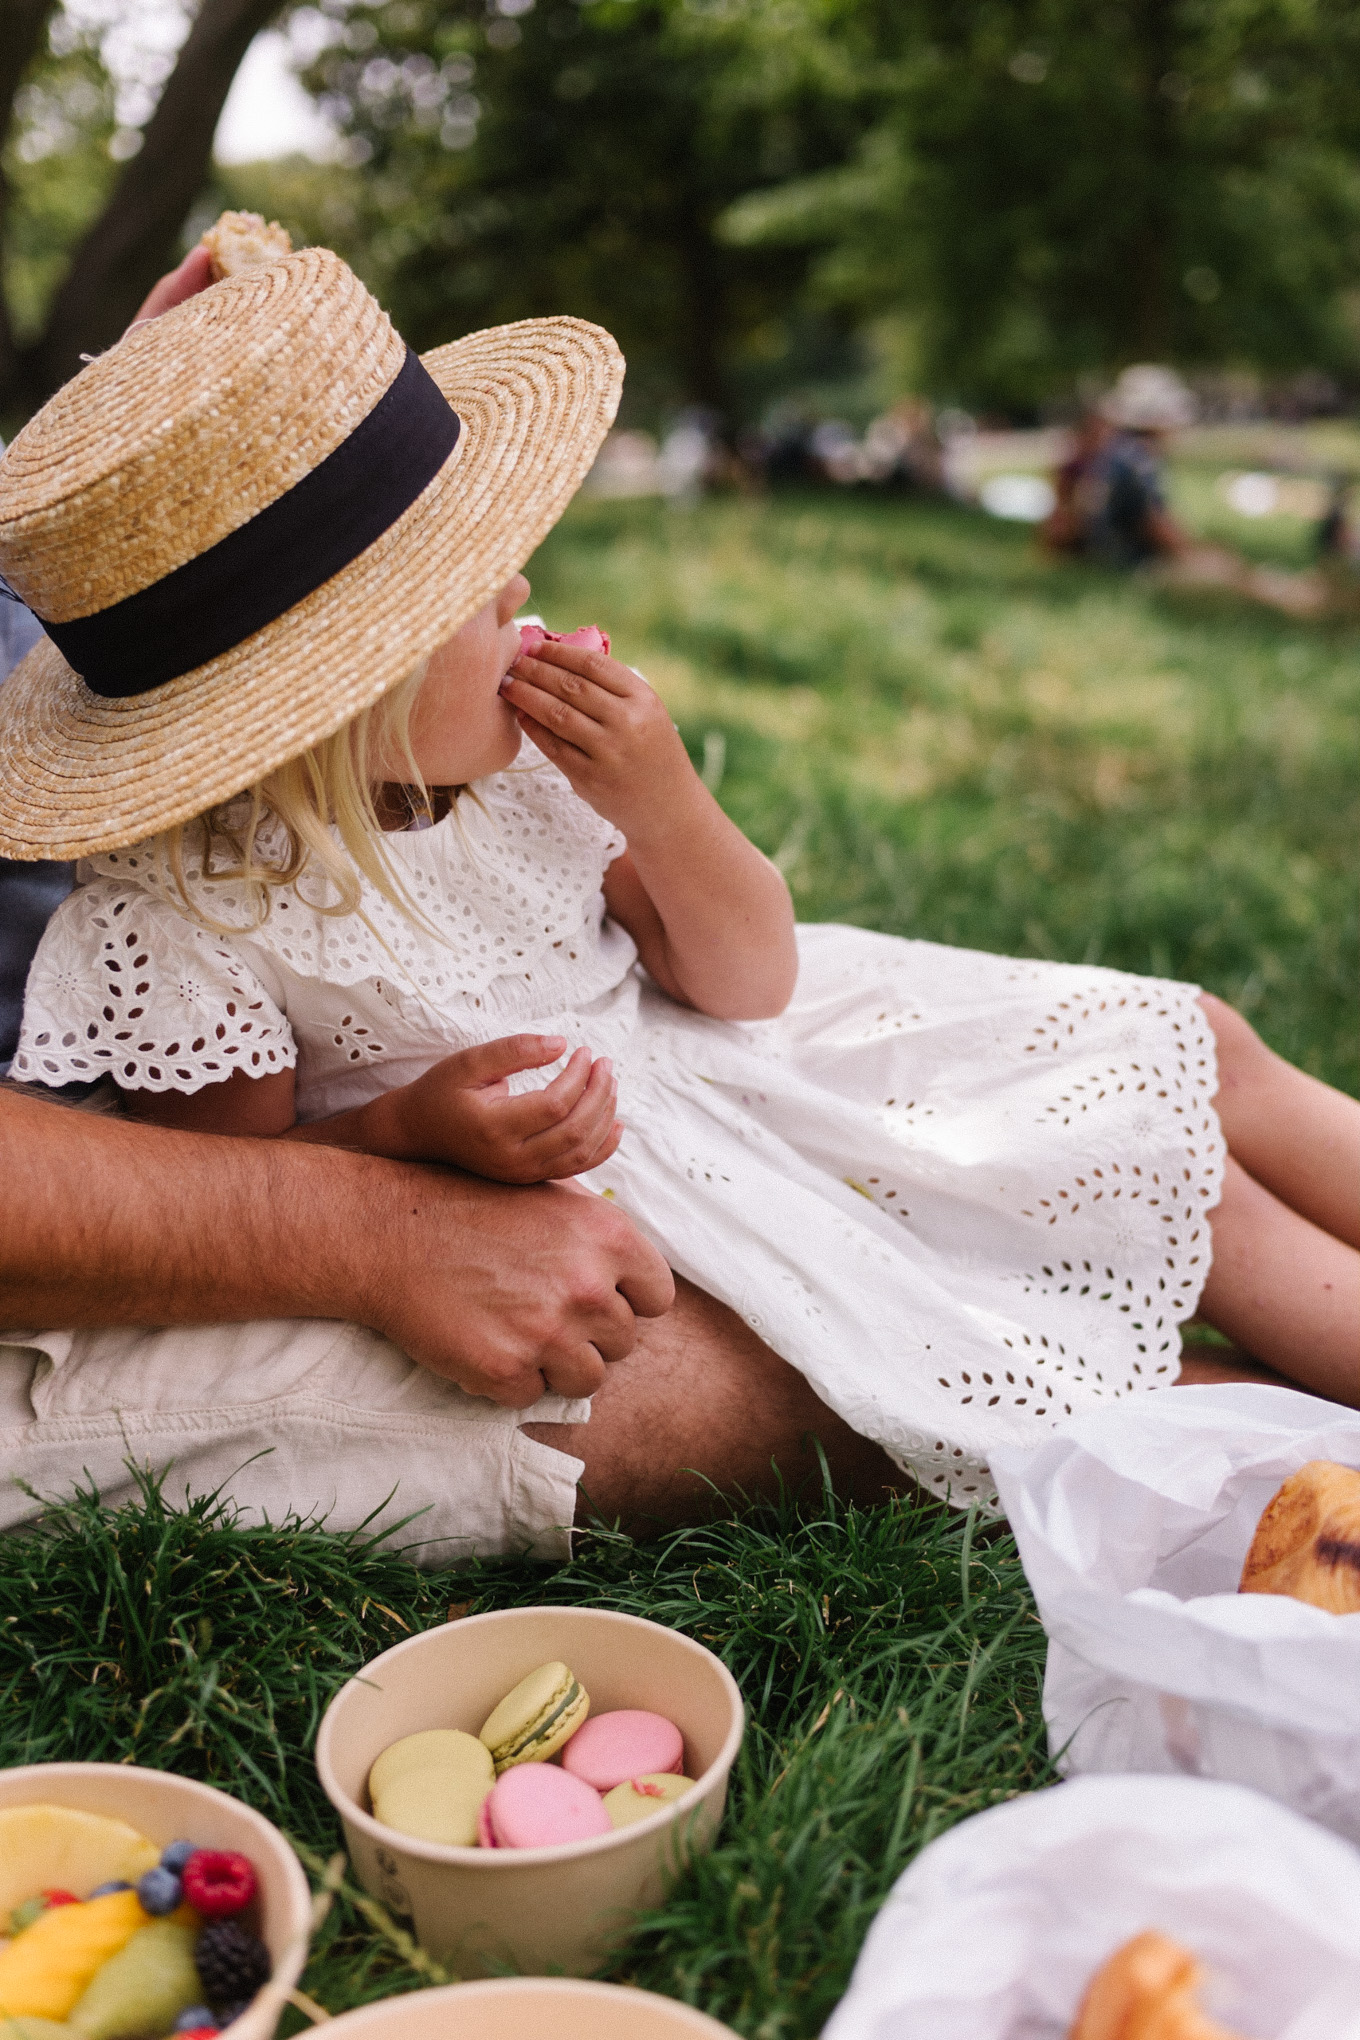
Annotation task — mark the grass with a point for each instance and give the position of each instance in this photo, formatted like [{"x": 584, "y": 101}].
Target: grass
[
  {"x": 937, "y": 734},
  {"x": 891, "y": 1664}
]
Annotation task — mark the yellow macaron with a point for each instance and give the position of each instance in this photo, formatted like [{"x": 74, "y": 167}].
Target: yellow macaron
[
  {"x": 636, "y": 1798},
  {"x": 432, "y": 1784},
  {"x": 536, "y": 1717}
]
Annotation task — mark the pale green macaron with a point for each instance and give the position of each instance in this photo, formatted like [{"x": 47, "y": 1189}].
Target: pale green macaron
[
  {"x": 636, "y": 1798},
  {"x": 536, "y": 1717},
  {"x": 431, "y": 1785}
]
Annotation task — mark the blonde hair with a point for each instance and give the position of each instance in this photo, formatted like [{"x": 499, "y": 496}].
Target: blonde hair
[{"x": 329, "y": 787}]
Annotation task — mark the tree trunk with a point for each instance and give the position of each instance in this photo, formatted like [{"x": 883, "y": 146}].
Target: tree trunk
[
  {"x": 1155, "y": 32},
  {"x": 22, "y": 24},
  {"x": 132, "y": 241}
]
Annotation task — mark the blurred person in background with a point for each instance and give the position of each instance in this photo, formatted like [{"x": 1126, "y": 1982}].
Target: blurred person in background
[
  {"x": 903, "y": 450},
  {"x": 1077, "y": 489},
  {"x": 1335, "y": 537},
  {"x": 1111, "y": 495}
]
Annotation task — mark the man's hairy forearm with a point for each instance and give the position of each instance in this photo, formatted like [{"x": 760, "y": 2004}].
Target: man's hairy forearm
[{"x": 107, "y": 1222}]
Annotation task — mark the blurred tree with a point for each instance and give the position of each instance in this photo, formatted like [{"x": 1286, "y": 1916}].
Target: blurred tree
[
  {"x": 1052, "y": 186},
  {"x": 60, "y": 142},
  {"x": 558, "y": 157}
]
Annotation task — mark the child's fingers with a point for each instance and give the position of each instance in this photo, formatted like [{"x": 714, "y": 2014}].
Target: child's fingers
[
  {"x": 584, "y": 1125},
  {"x": 553, "y": 748},
  {"x": 491, "y": 1061},
  {"x": 579, "y": 1142},
  {"x": 562, "y": 717},
  {"x": 535, "y": 1112},
  {"x": 610, "y": 674},
  {"x": 573, "y": 1166}
]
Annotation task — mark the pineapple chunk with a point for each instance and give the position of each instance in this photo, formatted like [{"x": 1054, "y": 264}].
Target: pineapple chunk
[
  {"x": 46, "y": 1970},
  {"x": 59, "y": 1848}
]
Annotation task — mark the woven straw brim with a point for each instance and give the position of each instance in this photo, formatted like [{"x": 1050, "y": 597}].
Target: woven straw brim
[{"x": 79, "y": 773}]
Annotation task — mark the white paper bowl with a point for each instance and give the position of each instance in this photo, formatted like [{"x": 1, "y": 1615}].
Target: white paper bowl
[
  {"x": 535, "y": 1910},
  {"x": 996, "y": 1930},
  {"x": 527, "y": 2008},
  {"x": 166, "y": 1809}
]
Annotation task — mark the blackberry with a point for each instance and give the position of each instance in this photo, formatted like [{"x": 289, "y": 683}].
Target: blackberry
[{"x": 232, "y": 1964}]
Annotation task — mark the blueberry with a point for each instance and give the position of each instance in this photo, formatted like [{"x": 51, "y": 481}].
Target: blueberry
[
  {"x": 159, "y": 1890},
  {"x": 174, "y": 1857},
  {"x": 197, "y": 2015},
  {"x": 114, "y": 1884}
]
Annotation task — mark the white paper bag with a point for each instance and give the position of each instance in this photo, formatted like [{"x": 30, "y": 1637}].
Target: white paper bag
[
  {"x": 996, "y": 1930},
  {"x": 1133, "y": 1525}
]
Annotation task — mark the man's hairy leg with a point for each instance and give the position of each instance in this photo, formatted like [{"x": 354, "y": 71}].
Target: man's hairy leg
[
  {"x": 504, "y": 1291},
  {"x": 701, "y": 1400}
]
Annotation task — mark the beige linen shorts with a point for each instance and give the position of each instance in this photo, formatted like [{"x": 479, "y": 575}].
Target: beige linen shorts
[{"x": 329, "y": 1421}]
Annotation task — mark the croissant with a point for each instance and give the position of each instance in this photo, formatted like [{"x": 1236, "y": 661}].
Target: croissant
[
  {"x": 1146, "y": 1991},
  {"x": 1307, "y": 1542},
  {"x": 237, "y": 240}
]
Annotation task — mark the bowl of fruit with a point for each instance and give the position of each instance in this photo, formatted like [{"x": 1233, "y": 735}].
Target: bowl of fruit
[{"x": 136, "y": 1905}]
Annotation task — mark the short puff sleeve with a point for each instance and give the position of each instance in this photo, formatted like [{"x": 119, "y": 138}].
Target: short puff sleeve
[{"x": 123, "y": 985}]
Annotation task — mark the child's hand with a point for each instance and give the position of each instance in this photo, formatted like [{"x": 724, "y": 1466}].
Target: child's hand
[
  {"x": 608, "y": 732},
  {"x": 711, "y": 917},
  {"x": 461, "y": 1111}
]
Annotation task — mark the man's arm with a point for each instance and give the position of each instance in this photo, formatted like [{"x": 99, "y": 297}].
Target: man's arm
[{"x": 503, "y": 1290}]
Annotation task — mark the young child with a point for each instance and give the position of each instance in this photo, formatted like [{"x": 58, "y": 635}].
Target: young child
[{"x": 966, "y": 1196}]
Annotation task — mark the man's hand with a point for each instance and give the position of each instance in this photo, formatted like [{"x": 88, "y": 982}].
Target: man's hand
[
  {"x": 508, "y": 1292},
  {"x": 461, "y": 1111},
  {"x": 505, "y": 1291}
]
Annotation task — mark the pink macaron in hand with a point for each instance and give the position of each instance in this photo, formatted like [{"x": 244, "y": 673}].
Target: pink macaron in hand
[
  {"x": 627, "y": 1743},
  {"x": 537, "y": 1806},
  {"x": 589, "y": 638}
]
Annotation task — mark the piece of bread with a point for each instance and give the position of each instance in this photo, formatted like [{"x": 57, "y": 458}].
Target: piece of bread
[
  {"x": 1146, "y": 1991},
  {"x": 1307, "y": 1542},
  {"x": 238, "y": 240}
]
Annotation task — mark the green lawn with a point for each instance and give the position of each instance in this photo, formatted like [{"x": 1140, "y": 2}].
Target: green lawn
[{"x": 936, "y": 734}]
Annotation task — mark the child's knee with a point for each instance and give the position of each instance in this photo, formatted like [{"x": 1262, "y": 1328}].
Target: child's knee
[{"x": 1241, "y": 1051}]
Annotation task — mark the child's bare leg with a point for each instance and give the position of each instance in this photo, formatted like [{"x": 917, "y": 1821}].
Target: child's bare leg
[
  {"x": 1284, "y": 1290},
  {"x": 1298, "y": 1137}
]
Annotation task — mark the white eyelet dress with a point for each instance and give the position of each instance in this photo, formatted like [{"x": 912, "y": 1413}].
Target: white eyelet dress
[{"x": 967, "y": 1196}]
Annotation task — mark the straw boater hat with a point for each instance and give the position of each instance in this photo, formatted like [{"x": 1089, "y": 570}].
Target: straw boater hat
[{"x": 249, "y": 520}]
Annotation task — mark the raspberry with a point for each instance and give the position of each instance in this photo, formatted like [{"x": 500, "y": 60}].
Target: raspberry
[
  {"x": 232, "y": 1964},
  {"x": 218, "y": 1882},
  {"x": 61, "y": 1898}
]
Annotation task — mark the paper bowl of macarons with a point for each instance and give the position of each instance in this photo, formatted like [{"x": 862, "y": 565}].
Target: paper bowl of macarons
[
  {"x": 521, "y": 2007},
  {"x": 520, "y": 1784},
  {"x": 135, "y": 1905}
]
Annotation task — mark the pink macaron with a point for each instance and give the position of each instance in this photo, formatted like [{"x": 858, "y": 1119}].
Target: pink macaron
[
  {"x": 609, "y": 1748},
  {"x": 589, "y": 638},
  {"x": 537, "y": 1806}
]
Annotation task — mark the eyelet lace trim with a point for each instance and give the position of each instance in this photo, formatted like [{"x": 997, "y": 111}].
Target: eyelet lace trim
[
  {"x": 123, "y": 987},
  {"x": 509, "y": 883},
  {"x": 504, "y": 881}
]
